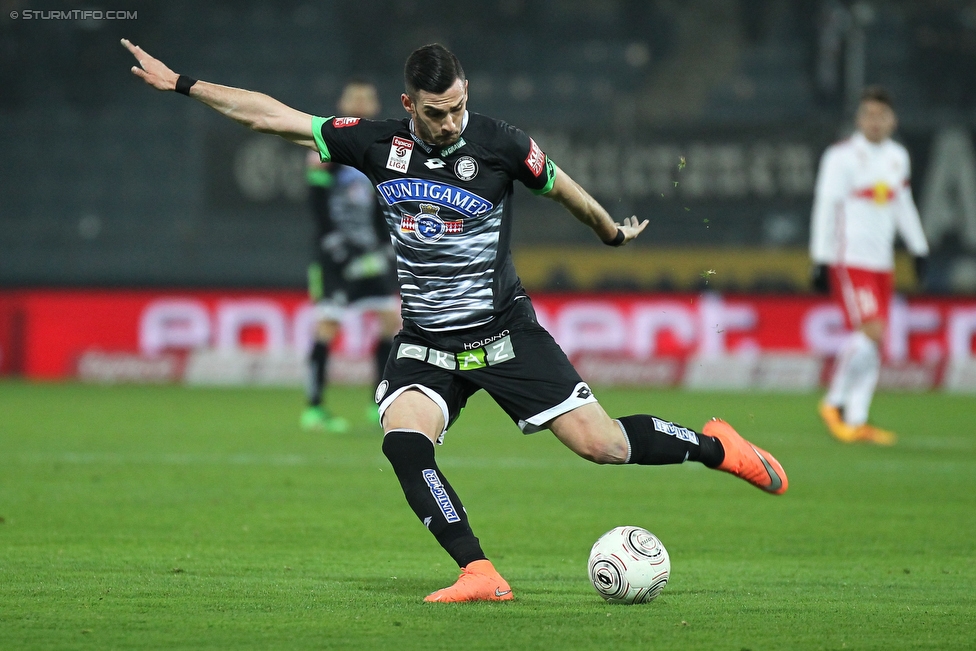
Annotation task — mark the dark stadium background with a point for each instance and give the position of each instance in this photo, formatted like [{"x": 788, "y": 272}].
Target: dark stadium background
[
  {"x": 707, "y": 117},
  {"x": 105, "y": 183}
]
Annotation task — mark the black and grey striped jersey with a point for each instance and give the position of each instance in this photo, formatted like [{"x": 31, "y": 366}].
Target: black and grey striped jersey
[{"x": 449, "y": 210}]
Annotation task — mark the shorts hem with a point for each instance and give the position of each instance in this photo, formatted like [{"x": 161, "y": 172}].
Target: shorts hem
[
  {"x": 540, "y": 421},
  {"x": 427, "y": 391}
]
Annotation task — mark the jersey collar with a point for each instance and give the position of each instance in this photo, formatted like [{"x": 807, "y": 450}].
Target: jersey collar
[
  {"x": 427, "y": 146},
  {"x": 862, "y": 140}
]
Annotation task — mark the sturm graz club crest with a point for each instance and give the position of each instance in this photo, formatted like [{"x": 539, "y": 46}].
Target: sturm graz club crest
[
  {"x": 381, "y": 391},
  {"x": 427, "y": 225},
  {"x": 466, "y": 168}
]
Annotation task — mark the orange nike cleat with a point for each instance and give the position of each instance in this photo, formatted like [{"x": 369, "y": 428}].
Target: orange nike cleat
[
  {"x": 830, "y": 414},
  {"x": 876, "y": 435},
  {"x": 835, "y": 423},
  {"x": 853, "y": 433},
  {"x": 745, "y": 460},
  {"x": 479, "y": 581}
]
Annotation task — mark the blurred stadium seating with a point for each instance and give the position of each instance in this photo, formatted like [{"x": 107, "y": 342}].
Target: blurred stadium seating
[{"x": 107, "y": 184}]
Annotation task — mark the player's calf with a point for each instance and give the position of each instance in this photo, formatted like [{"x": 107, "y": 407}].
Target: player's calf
[
  {"x": 653, "y": 441},
  {"x": 649, "y": 440},
  {"x": 430, "y": 495},
  {"x": 590, "y": 433}
]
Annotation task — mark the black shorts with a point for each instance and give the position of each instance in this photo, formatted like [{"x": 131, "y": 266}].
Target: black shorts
[
  {"x": 513, "y": 358},
  {"x": 334, "y": 288}
]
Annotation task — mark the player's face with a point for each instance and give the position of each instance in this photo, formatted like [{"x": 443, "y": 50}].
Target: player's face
[
  {"x": 437, "y": 117},
  {"x": 876, "y": 120},
  {"x": 359, "y": 101}
]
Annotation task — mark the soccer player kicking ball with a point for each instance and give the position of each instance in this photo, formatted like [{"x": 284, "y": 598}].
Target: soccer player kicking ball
[
  {"x": 862, "y": 199},
  {"x": 444, "y": 177}
]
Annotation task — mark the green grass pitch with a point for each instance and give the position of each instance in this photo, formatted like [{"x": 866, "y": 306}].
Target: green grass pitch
[{"x": 168, "y": 517}]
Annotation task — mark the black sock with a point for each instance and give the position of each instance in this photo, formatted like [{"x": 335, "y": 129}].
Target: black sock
[
  {"x": 318, "y": 360},
  {"x": 656, "y": 442},
  {"x": 383, "y": 349},
  {"x": 430, "y": 495}
]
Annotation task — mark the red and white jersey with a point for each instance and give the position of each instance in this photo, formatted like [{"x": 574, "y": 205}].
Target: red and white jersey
[{"x": 863, "y": 198}]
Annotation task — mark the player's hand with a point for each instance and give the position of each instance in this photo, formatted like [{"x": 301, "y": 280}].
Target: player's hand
[
  {"x": 820, "y": 279},
  {"x": 150, "y": 69},
  {"x": 631, "y": 228}
]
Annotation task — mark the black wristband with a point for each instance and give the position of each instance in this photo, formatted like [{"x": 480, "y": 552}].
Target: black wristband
[
  {"x": 184, "y": 84},
  {"x": 618, "y": 239}
]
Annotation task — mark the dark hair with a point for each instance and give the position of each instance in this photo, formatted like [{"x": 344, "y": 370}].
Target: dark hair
[
  {"x": 877, "y": 94},
  {"x": 432, "y": 68}
]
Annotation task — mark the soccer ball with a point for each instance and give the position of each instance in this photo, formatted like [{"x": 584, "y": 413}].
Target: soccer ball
[{"x": 629, "y": 565}]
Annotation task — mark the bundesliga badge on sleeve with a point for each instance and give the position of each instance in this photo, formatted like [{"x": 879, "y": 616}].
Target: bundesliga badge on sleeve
[{"x": 400, "y": 151}]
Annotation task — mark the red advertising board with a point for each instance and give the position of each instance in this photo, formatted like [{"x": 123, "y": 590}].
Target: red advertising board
[
  {"x": 45, "y": 334},
  {"x": 646, "y": 326}
]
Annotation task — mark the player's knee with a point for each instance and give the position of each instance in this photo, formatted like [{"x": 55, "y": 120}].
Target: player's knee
[
  {"x": 414, "y": 410},
  {"x": 598, "y": 450},
  {"x": 590, "y": 433},
  {"x": 874, "y": 330},
  {"x": 389, "y": 323},
  {"x": 326, "y": 331},
  {"x": 609, "y": 451},
  {"x": 597, "y": 440}
]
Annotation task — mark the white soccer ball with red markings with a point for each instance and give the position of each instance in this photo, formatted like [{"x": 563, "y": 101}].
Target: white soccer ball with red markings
[{"x": 629, "y": 565}]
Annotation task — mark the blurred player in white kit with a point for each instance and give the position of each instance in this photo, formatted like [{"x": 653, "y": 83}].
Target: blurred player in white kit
[{"x": 863, "y": 199}]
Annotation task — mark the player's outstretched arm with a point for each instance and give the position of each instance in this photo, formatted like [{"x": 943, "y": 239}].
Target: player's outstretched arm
[
  {"x": 256, "y": 111},
  {"x": 588, "y": 210}
]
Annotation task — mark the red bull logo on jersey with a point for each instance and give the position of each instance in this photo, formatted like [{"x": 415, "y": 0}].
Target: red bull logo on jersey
[
  {"x": 452, "y": 197},
  {"x": 881, "y": 193},
  {"x": 428, "y": 225}
]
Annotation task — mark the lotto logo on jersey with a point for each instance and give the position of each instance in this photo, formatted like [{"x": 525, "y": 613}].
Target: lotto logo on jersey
[
  {"x": 400, "y": 151},
  {"x": 536, "y": 160},
  {"x": 428, "y": 225},
  {"x": 339, "y": 123}
]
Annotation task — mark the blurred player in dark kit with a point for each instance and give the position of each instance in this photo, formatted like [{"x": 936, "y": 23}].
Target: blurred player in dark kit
[{"x": 354, "y": 266}]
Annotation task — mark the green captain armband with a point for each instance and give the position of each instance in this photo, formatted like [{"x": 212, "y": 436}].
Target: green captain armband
[
  {"x": 550, "y": 176},
  {"x": 317, "y": 123}
]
